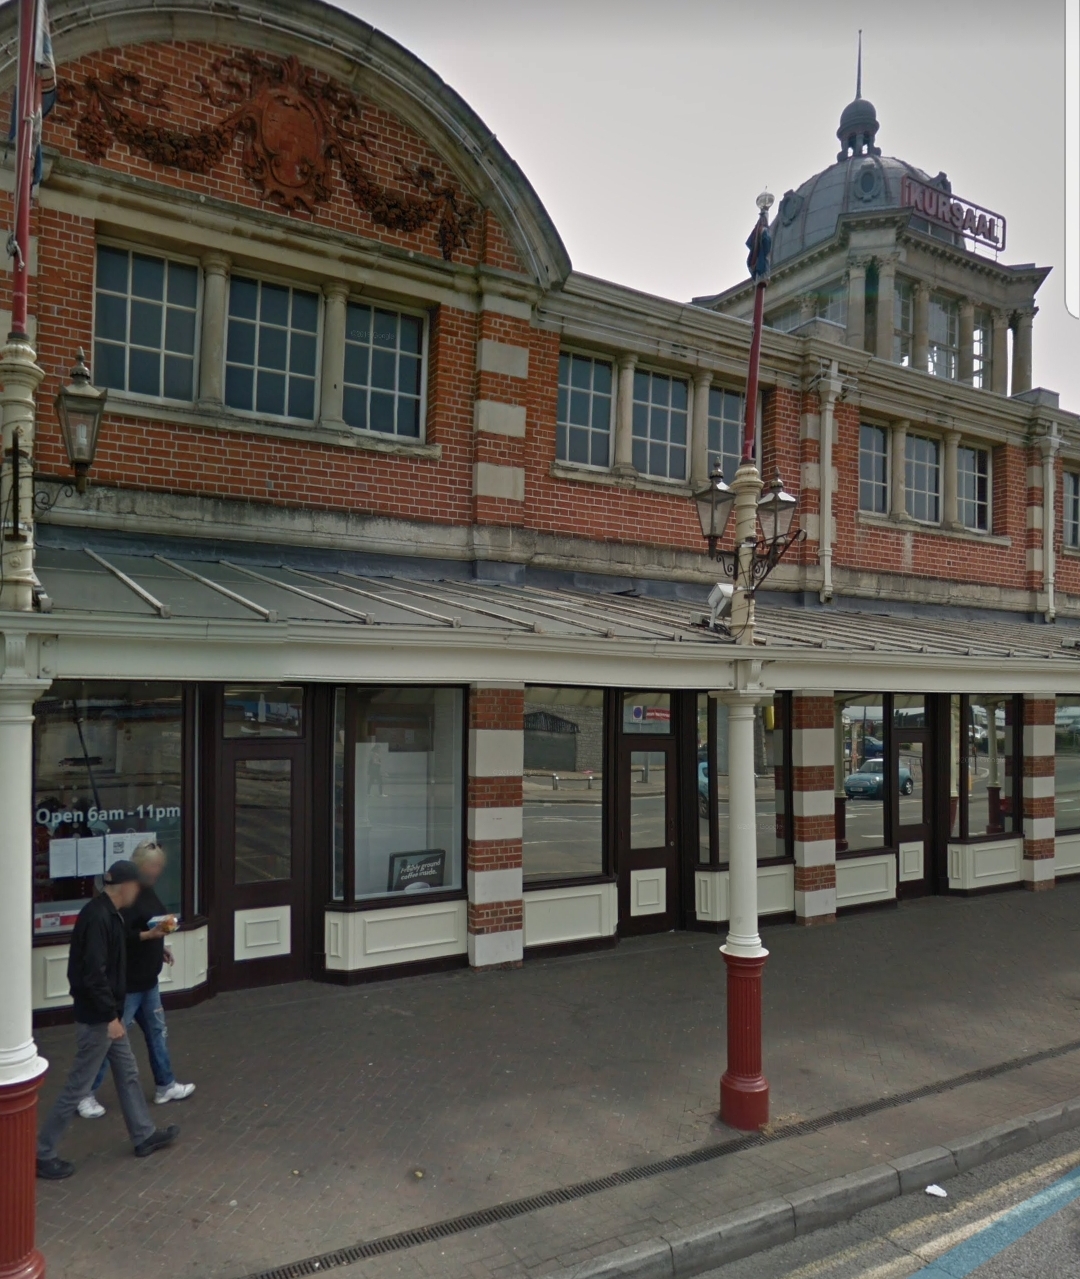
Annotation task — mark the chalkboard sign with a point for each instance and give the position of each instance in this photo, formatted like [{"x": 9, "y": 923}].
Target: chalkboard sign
[{"x": 415, "y": 872}]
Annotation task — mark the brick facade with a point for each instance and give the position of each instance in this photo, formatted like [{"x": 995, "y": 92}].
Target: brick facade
[
  {"x": 1039, "y": 822},
  {"x": 813, "y": 790}
]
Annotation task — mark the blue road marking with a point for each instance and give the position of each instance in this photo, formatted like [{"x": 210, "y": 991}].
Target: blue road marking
[{"x": 968, "y": 1256}]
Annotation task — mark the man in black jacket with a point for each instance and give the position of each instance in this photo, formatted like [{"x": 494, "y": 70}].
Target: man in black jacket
[{"x": 96, "y": 975}]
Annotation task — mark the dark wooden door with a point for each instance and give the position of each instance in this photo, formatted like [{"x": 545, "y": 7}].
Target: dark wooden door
[
  {"x": 648, "y": 835},
  {"x": 914, "y": 779},
  {"x": 262, "y": 880}
]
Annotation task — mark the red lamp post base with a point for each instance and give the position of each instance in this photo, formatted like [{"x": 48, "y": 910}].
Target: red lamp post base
[
  {"x": 744, "y": 1090},
  {"x": 19, "y": 1259}
]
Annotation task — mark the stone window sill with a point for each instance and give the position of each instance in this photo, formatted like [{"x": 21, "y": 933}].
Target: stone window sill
[
  {"x": 933, "y": 530},
  {"x": 1070, "y": 552},
  {"x": 220, "y": 419},
  {"x": 640, "y": 483}
]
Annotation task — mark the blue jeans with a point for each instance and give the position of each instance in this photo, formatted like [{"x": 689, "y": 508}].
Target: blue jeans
[{"x": 144, "y": 1007}]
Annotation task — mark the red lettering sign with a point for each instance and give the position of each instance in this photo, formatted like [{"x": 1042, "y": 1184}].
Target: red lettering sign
[{"x": 968, "y": 219}]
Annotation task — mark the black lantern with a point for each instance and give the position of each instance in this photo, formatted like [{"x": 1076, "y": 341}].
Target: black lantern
[
  {"x": 79, "y": 407},
  {"x": 715, "y": 502},
  {"x": 775, "y": 511}
]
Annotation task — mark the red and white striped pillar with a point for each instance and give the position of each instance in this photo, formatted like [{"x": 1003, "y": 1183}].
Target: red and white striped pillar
[
  {"x": 496, "y": 758},
  {"x": 813, "y": 807},
  {"x": 1039, "y": 824}
]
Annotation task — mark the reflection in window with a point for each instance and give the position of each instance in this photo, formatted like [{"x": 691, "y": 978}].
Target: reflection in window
[
  {"x": 262, "y": 820},
  {"x": 973, "y": 488},
  {"x": 923, "y": 478},
  {"x": 981, "y": 775},
  {"x": 873, "y": 470},
  {"x": 1067, "y": 762},
  {"x": 944, "y": 336},
  {"x": 646, "y": 713},
  {"x": 861, "y": 779},
  {"x": 648, "y": 799},
  {"x": 705, "y": 706},
  {"x": 270, "y": 350},
  {"x": 660, "y": 425},
  {"x": 406, "y": 781},
  {"x": 338, "y": 866},
  {"x": 263, "y": 710},
  {"x": 107, "y": 777},
  {"x": 770, "y": 783},
  {"x": 982, "y": 350},
  {"x": 903, "y": 322},
  {"x": 563, "y": 783},
  {"x": 1070, "y": 515},
  {"x": 726, "y": 414}
]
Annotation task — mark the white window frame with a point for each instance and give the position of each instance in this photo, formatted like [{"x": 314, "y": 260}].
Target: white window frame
[
  {"x": 910, "y": 490},
  {"x": 961, "y": 501},
  {"x": 674, "y": 377},
  {"x": 903, "y": 336},
  {"x": 713, "y": 454},
  {"x": 887, "y": 452},
  {"x": 130, "y": 246},
  {"x": 982, "y": 353},
  {"x": 425, "y": 330},
  {"x": 832, "y": 289},
  {"x": 1070, "y": 519},
  {"x": 612, "y": 414},
  {"x": 951, "y": 308},
  {"x": 305, "y": 287}
]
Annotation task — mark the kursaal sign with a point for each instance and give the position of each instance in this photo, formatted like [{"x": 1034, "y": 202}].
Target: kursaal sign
[{"x": 959, "y": 215}]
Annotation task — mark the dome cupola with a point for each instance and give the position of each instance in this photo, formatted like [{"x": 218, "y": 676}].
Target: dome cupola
[{"x": 858, "y": 122}]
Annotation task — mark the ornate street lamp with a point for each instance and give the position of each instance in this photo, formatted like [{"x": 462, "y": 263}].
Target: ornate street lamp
[
  {"x": 715, "y": 502},
  {"x": 79, "y": 406}
]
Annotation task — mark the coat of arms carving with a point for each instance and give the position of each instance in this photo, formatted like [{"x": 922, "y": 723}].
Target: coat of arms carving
[{"x": 293, "y": 126}]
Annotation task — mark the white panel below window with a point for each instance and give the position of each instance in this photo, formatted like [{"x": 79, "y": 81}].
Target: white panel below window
[
  {"x": 860, "y": 880},
  {"x": 776, "y": 892},
  {"x": 554, "y": 915},
  {"x": 911, "y": 860},
  {"x": 986, "y": 864},
  {"x": 1067, "y": 855},
  {"x": 262, "y": 933},
  {"x": 397, "y": 935},
  {"x": 648, "y": 891}
]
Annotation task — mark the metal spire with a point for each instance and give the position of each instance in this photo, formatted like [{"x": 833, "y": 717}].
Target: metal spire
[{"x": 858, "y": 72}]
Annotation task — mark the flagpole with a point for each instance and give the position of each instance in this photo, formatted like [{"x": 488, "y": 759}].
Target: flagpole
[{"x": 27, "y": 102}]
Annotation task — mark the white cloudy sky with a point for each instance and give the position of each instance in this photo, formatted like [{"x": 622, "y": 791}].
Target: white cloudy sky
[{"x": 648, "y": 128}]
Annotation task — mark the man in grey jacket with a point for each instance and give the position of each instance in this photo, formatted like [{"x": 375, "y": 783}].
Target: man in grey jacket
[{"x": 96, "y": 975}]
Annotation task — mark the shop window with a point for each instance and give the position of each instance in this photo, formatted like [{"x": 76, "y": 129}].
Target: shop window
[
  {"x": 648, "y": 713},
  {"x": 772, "y": 785},
  {"x": 863, "y": 787},
  {"x": 398, "y": 801},
  {"x": 985, "y": 766},
  {"x": 944, "y": 336},
  {"x": 659, "y": 425},
  {"x": 982, "y": 350},
  {"x": 107, "y": 778},
  {"x": 973, "y": 488},
  {"x": 873, "y": 469},
  {"x": 267, "y": 710},
  {"x": 903, "y": 322},
  {"x": 270, "y": 354},
  {"x": 1070, "y": 515},
  {"x": 583, "y": 420},
  {"x": 922, "y": 480},
  {"x": 563, "y": 785},
  {"x": 1067, "y": 763},
  {"x": 382, "y": 384},
  {"x": 726, "y": 418},
  {"x": 144, "y": 324}
]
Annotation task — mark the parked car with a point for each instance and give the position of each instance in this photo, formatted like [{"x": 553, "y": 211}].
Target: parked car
[
  {"x": 869, "y": 781},
  {"x": 872, "y": 748},
  {"x": 703, "y": 787}
]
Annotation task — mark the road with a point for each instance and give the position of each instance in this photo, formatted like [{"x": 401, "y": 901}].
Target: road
[{"x": 1016, "y": 1218}]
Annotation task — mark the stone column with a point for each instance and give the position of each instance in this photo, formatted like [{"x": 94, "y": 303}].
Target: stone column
[
  {"x": 807, "y": 304},
  {"x": 212, "y": 347},
  {"x": 494, "y": 821},
  {"x": 999, "y": 354},
  {"x": 744, "y": 1092},
  {"x": 950, "y": 482},
  {"x": 624, "y": 417},
  {"x": 1021, "y": 369},
  {"x": 336, "y": 294},
  {"x": 814, "y": 808},
  {"x": 21, "y": 377},
  {"x": 856, "y": 303},
  {"x": 885, "y": 304},
  {"x": 21, "y": 1069},
  {"x": 920, "y": 352},
  {"x": 898, "y": 470},
  {"x": 967, "y": 341},
  {"x": 1039, "y": 819},
  {"x": 699, "y": 439}
]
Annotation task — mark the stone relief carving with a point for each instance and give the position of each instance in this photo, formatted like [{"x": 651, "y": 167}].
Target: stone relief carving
[{"x": 293, "y": 126}]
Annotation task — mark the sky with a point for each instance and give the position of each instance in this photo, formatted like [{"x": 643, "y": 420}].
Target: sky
[{"x": 647, "y": 129}]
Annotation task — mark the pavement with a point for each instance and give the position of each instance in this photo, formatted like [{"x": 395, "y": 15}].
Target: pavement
[{"x": 327, "y": 1116}]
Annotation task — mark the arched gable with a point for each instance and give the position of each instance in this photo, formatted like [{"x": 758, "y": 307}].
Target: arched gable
[{"x": 297, "y": 106}]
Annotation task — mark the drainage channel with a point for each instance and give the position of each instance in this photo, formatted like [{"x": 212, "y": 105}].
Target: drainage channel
[{"x": 405, "y": 1239}]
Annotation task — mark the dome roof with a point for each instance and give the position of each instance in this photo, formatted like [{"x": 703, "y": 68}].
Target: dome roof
[{"x": 861, "y": 180}]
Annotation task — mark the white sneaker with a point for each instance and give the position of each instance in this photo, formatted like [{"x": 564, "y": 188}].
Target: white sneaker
[
  {"x": 173, "y": 1092},
  {"x": 91, "y": 1108}
]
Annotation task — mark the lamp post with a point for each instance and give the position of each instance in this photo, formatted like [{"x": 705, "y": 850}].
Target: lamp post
[{"x": 762, "y": 535}]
